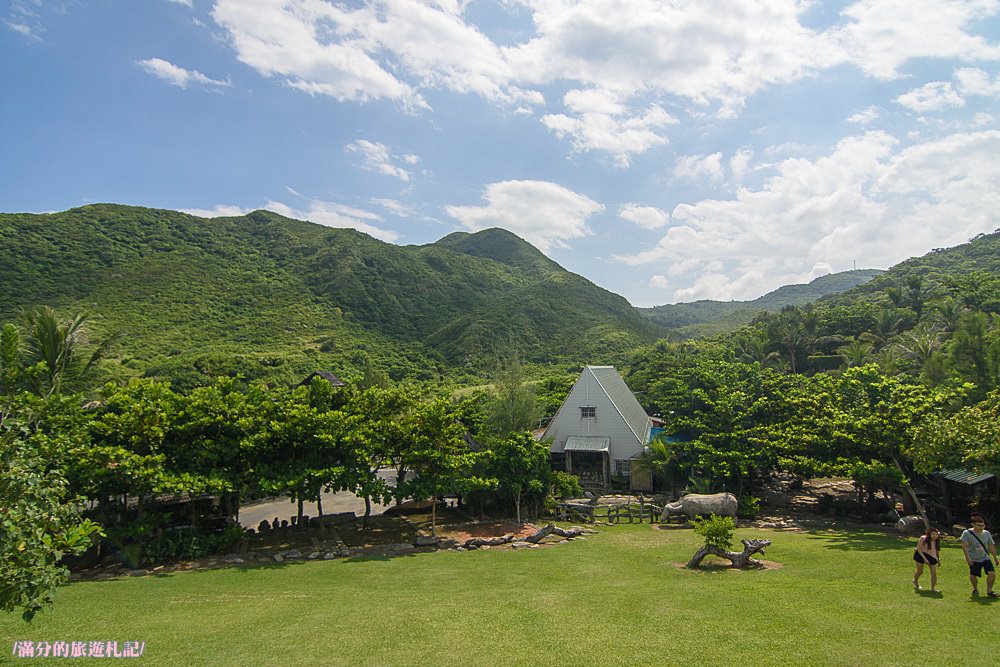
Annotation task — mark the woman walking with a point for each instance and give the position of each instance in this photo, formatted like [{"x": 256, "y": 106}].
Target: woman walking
[{"x": 928, "y": 552}]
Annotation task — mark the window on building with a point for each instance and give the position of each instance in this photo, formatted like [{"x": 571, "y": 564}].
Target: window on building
[
  {"x": 623, "y": 467},
  {"x": 588, "y": 412}
]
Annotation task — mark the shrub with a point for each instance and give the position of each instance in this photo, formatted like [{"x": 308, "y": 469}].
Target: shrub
[
  {"x": 565, "y": 485},
  {"x": 749, "y": 507},
  {"x": 717, "y": 530}
]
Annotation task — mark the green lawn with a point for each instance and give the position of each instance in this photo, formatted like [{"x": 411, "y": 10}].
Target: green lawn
[{"x": 840, "y": 598}]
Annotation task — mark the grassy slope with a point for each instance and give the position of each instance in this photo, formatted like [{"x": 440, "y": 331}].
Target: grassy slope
[{"x": 841, "y": 598}]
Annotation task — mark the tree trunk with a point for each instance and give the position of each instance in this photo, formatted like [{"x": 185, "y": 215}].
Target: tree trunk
[
  {"x": 367, "y": 522},
  {"x": 319, "y": 511},
  {"x": 534, "y": 538},
  {"x": 300, "y": 512},
  {"x": 913, "y": 495},
  {"x": 434, "y": 504},
  {"x": 739, "y": 559}
]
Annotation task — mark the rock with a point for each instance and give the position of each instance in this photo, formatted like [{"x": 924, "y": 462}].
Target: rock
[
  {"x": 136, "y": 573},
  {"x": 519, "y": 545},
  {"x": 425, "y": 541},
  {"x": 910, "y": 524},
  {"x": 957, "y": 530},
  {"x": 313, "y": 556},
  {"x": 235, "y": 561},
  {"x": 329, "y": 555},
  {"x": 278, "y": 558},
  {"x": 292, "y": 554}
]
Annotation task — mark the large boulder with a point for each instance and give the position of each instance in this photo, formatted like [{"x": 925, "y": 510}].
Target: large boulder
[
  {"x": 700, "y": 504},
  {"x": 910, "y": 524}
]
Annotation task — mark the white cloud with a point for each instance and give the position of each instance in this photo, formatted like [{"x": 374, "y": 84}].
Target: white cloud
[
  {"x": 395, "y": 207},
  {"x": 933, "y": 96},
  {"x": 545, "y": 214},
  {"x": 658, "y": 281},
  {"x": 219, "y": 211},
  {"x": 379, "y": 158},
  {"x": 317, "y": 47},
  {"x": 867, "y": 115},
  {"x": 867, "y": 200},
  {"x": 982, "y": 119},
  {"x": 176, "y": 75},
  {"x": 331, "y": 214},
  {"x": 23, "y": 18},
  {"x": 699, "y": 168},
  {"x": 599, "y": 121},
  {"x": 647, "y": 217},
  {"x": 324, "y": 213},
  {"x": 739, "y": 163},
  {"x": 974, "y": 81},
  {"x": 186, "y": 3},
  {"x": 711, "y": 51},
  {"x": 626, "y": 66},
  {"x": 881, "y": 35}
]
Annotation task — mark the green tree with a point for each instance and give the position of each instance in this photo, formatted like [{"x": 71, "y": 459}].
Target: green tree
[
  {"x": 437, "y": 454},
  {"x": 375, "y": 437},
  {"x": 512, "y": 406},
  {"x": 39, "y": 521},
  {"x": 520, "y": 465},
  {"x": 976, "y": 350},
  {"x": 967, "y": 439}
]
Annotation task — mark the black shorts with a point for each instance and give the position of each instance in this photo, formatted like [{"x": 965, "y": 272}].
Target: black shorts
[
  {"x": 977, "y": 568},
  {"x": 924, "y": 558}
]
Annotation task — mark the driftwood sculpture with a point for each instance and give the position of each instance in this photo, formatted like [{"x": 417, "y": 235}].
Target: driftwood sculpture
[
  {"x": 534, "y": 538},
  {"x": 738, "y": 559}
]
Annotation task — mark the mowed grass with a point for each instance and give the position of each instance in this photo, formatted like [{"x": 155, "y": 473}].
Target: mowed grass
[{"x": 617, "y": 598}]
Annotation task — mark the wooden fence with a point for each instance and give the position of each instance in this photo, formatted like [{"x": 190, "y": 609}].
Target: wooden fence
[{"x": 611, "y": 514}]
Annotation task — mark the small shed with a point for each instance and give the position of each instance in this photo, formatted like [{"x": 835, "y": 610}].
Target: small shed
[{"x": 961, "y": 489}]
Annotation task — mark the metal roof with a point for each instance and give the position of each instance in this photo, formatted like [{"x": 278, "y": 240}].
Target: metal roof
[
  {"x": 964, "y": 476},
  {"x": 586, "y": 443},
  {"x": 623, "y": 399}
]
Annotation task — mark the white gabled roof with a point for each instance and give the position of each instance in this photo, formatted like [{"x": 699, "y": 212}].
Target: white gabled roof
[
  {"x": 623, "y": 399},
  {"x": 620, "y": 397}
]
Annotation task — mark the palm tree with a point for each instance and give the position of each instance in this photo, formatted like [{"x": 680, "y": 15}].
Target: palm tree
[
  {"x": 856, "y": 352},
  {"x": 53, "y": 350},
  {"x": 919, "y": 344},
  {"x": 949, "y": 313}
]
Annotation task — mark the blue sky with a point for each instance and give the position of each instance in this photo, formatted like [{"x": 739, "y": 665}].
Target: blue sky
[{"x": 666, "y": 150}]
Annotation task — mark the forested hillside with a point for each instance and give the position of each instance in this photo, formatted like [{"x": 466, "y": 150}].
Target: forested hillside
[
  {"x": 898, "y": 376},
  {"x": 706, "y": 318},
  {"x": 269, "y": 297}
]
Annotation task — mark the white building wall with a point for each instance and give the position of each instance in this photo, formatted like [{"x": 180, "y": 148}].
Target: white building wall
[{"x": 608, "y": 422}]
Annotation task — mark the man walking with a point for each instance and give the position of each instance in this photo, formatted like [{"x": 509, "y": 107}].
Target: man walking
[{"x": 977, "y": 544}]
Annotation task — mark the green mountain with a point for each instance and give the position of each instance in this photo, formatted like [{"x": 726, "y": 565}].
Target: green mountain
[
  {"x": 706, "y": 317},
  {"x": 273, "y": 298}
]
